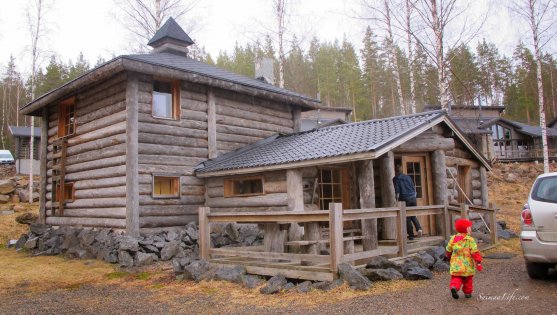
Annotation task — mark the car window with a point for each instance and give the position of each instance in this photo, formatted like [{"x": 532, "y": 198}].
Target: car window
[
  {"x": 545, "y": 189},
  {"x": 5, "y": 156}
]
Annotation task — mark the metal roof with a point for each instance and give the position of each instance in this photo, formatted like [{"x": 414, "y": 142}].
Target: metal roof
[
  {"x": 24, "y": 131},
  {"x": 170, "y": 30},
  {"x": 470, "y": 125},
  {"x": 182, "y": 63},
  {"x": 533, "y": 131},
  {"x": 334, "y": 141}
]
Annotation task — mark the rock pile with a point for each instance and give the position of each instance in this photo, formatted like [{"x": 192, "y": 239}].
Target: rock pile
[
  {"x": 481, "y": 233},
  {"x": 114, "y": 247},
  {"x": 16, "y": 189}
]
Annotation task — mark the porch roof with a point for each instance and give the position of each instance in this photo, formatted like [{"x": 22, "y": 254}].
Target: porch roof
[
  {"x": 335, "y": 144},
  {"x": 533, "y": 131}
]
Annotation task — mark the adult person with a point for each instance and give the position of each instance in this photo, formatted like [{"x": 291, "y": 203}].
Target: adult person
[{"x": 406, "y": 191}]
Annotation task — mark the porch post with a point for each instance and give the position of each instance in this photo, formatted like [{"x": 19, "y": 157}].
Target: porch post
[
  {"x": 387, "y": 172},
  {"x": 295, "y": 197},
  {"x": 367, "y": 201},
  {"x": 439, "y": 172},
  {"x": 43, "y": 172},
  {"x": 483, "y": 180}
]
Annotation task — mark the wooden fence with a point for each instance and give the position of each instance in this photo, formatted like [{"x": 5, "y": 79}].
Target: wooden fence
[{"x": 317, "y": 266}]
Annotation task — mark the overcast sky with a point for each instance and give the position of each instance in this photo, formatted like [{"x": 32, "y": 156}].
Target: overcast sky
[{"x": 89, "y": 26}]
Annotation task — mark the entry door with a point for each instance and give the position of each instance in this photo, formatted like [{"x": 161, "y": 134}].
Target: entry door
[{"x": 414, "y": 166}]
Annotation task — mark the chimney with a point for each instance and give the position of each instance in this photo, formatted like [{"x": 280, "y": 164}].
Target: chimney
[
  {"x": 170, "y": 38},
  {"x": 264, "y": 70}
]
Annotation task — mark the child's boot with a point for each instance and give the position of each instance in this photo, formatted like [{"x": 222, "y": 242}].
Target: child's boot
[
  {"x": 454, "y": 293},
  {"x": 468, "y": 295}
]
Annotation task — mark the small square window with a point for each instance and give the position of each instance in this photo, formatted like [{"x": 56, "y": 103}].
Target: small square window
[
  {"x": 68, "y": 192},
  {"x": 166, "y": 186},
  {"x": 243, "y": 187},
  {"x": 66, "y": 117},
  {"x": 166, "y": 99}
]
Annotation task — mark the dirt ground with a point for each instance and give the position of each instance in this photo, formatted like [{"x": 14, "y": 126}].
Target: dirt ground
[{"x": 55, "y": 285}]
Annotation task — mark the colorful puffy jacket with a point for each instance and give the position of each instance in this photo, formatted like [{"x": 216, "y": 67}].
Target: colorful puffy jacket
[{"x": 463, "y": 253}]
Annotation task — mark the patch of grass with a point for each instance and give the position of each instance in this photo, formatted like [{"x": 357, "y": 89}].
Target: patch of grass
[
  {"x": 143, "y": 276},
  {"x": 9, "y": 229},
  {"x": 117, "y": 275},
  {"x": 158, "y": 286}
]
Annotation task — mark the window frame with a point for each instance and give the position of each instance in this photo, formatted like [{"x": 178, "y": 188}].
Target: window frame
[
  {"x": 178, "y": 182},
  {"x": 175, "y": 87},
  {"x": 63, "y": 113},
  {"x": 58, "y": 192},
  {"x": 229, "y": 186}
]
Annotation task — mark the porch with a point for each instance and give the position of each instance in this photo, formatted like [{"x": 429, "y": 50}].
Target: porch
[{"x": 329, "y": 239}]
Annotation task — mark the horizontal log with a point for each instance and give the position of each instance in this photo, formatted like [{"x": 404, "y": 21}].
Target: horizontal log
[
  {"x": 107, "y": 107},
  {"x": 454, "y": 161},
  {"x": 268, "y": 200},
  {"x": 166, "y": 169},
  {"x": 215, "y": 182},
  {"x": 184, "y": 123},
  {"x": 186, "y": 190},
  {"x": 229, "y": 146},
  {"x": 113, "y": 171},
  {"x": 169, "y": 160},
  {"x": 94, "y": 203},
  {"x": 153, "y": 149},
  {"x": 93, "y": 222},
  {"x": 192, "y": 95},
  {"x": 183, "y": 200},
  {"x": 116, "y": 129},
  {"x": 159, "y": 230},
  {"x": 94, "y": 145},
  {"x": 100, "y": 183},
  {"x": 186, "y": 180},
  {"x": 102, "y": 88},
  {"x": 153, "y": 222},
  {"x": 426, "y": 146},
  {"x": 251, "y": 114},
  {"x": 171, "y": 140},
  {"x": 239, "y": 122},
  {"x": 274, "y": 186},
  {"x": 166, "y": 130},
  {"x": 114, "y": 213},
  {"x": 241, "y": 209},
  {"x": 103, "y": 122},
  {"x": 235, "y": 130},
  {"x": 101, "y": 192},
  {"x": 213, "y": 192},
  {"x": 249, "y": 103},
  {"x": 96, "y": 164},
  {"x": 237, "y": 138},
  {"x": 107, "y": 152},
  {"x": 164, "y": 210},
  {"x": 190, "y": 104}
]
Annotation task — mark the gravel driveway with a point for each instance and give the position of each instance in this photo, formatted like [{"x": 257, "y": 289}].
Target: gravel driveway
[{"x": 502, "y": 288}]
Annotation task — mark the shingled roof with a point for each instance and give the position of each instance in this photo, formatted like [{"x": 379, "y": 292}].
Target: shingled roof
[
  {"x": 170, "y": 30},
  {"x": 532, "y": 131},
  {"x": 371, "y": 138}
]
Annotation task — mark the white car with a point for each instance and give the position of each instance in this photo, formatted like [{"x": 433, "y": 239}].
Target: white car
[
  {"x": 539, "y": 227},
  {"x": 6, "y": 157}
]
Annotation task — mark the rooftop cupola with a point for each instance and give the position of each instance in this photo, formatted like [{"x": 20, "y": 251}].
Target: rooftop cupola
[{"x": 170, "y": 38}]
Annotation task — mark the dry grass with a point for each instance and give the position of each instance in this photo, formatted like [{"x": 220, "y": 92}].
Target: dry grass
[
  {"x": 21, "y": 272},
  {"x": 9, "y": 229}
]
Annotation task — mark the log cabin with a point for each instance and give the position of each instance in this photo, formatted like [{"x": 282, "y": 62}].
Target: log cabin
[{"x": 141, "y": 142}]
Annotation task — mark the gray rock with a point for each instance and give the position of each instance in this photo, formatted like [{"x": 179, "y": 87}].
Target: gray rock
[
  {"x": 86, "y": 237},
  {"x": 289, "y": 286},
  {"x": 381, "y": 274},
  {"x": 128, "y": 243},
  {"x": 504, "y": 234},
  {"x": 380, "y": 262},
  {"x": 53, "y": 242},
  {"x": 192, "y": 232},
  {"x": 424, "y": 259},
  {"x": 178, "y": 264},
  {"x": 146, "y": 241},
  {"x": 304, "y": 287},
  {"x": 21, "y": 242},
  {"x": 232, "y": 274},
  {"x": 170, "y": 250},
  {"x": 76, "y": 252},
  {"x": 441, "y": 266},
  {"x": 251, "y": 281},
  {"x": 24, "y": 195},
  {"x": 110, "y": 256},
  {"x": 159, "y": 244},
  {"x": 38, "y": 228},
  {"x": 171, "y": 236},
  {"x": 437, "y": 252},
  {"x": 104, "y": 236},
  {"x": 502, "y": 224},
  {"x": 7, "y": 186},
  {"x": 417, "y": 273},
  {"x": 274, "y": 285},
  {"x": 328, "y": 285},
  {"x": 143, "y": 259},
  {"x": 69, "y": 240},
  {"x": 355, "y": 279},
  {"x": 151, "y": 249},
  {"x": 410, "y": 264},
  {"x": 231, "y": 232},
  {"x": 125, "y": 259},
  {"x": 197, "y": 270},
  {"x": 31, "y": 243}
]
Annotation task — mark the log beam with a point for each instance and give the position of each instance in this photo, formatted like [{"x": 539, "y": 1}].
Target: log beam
[
  {"x": 43, "y": 156},
  {"x": 132, "y": 164},
  {"x": 426, "y": 145},
  {"x": 439, "y": 173},
  {"x": 387, "y": 172},
  {"x": 211, "y": 124},
  {"x": 367, "y": 200}
]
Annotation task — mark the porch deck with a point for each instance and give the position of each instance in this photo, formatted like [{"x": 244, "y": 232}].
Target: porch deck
[{"x": 341, "y": 245}]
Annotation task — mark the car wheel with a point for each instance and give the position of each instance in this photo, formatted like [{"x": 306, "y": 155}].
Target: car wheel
[{"x": 537, "y": 270}]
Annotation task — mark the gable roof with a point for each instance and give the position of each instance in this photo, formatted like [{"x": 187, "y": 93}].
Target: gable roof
[
  {"x": 170, "y": 30},
  {"x": 349, "y": 142},
  {"x": 533, "y": 131},
  {"x": 470, "y": 125}
]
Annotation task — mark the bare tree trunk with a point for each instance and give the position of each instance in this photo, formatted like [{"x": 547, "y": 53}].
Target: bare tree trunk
[
  {"x": 412, "y": 102},
  {"x": 17, "y": 105},
  {"x": 440, "y": 55},
  {"x": 394, "y": 59},
  {"x": 280, "y": 10},
  {"x": 535, "y": 37},
  {"x": 3, "y": 115}
]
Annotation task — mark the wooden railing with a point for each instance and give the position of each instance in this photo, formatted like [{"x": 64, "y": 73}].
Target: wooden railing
[
  {"x": 337, "y": 239},
  {"x": 464, "y": 210}
]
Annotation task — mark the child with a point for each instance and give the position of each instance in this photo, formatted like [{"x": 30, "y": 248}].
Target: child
[{"x": 464, "y": 257}]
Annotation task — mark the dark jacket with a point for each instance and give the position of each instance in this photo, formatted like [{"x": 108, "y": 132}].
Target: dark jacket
[{"x": 404, "y": 187}]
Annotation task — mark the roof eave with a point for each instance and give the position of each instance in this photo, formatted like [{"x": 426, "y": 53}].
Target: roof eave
[{"x": 467, "y": 143}]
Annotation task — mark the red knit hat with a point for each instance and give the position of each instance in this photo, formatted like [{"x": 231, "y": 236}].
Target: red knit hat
[{"x": 461, "y": 225}]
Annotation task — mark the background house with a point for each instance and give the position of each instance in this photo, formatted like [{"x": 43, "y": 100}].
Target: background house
[
  {"x": 325, "y": 116},
  {"x": 22, "y": 136}
]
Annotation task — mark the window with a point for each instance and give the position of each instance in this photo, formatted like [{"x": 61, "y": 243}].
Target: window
[
  {"x": 68, "y": 192},
  {"x": 243, "y": 187},
  {"x": 166, "y": 186},
  {"x": 66, "y": 117},
  {"x": 330, "y": 187},
  {"x": 166, "y": 99}
]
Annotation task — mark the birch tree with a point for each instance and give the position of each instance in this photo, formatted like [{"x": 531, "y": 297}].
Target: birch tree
[
  {"x": 143, "y": 18},
  {"x": 280, "y": 11},
  {"x": 541, "y": 17},
  {"x": 412, "y": 101}
]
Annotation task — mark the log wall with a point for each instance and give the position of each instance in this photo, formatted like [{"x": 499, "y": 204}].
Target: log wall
[
  {"x": 460, "y": 156},
  {"x": 96, "y": 158}
]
